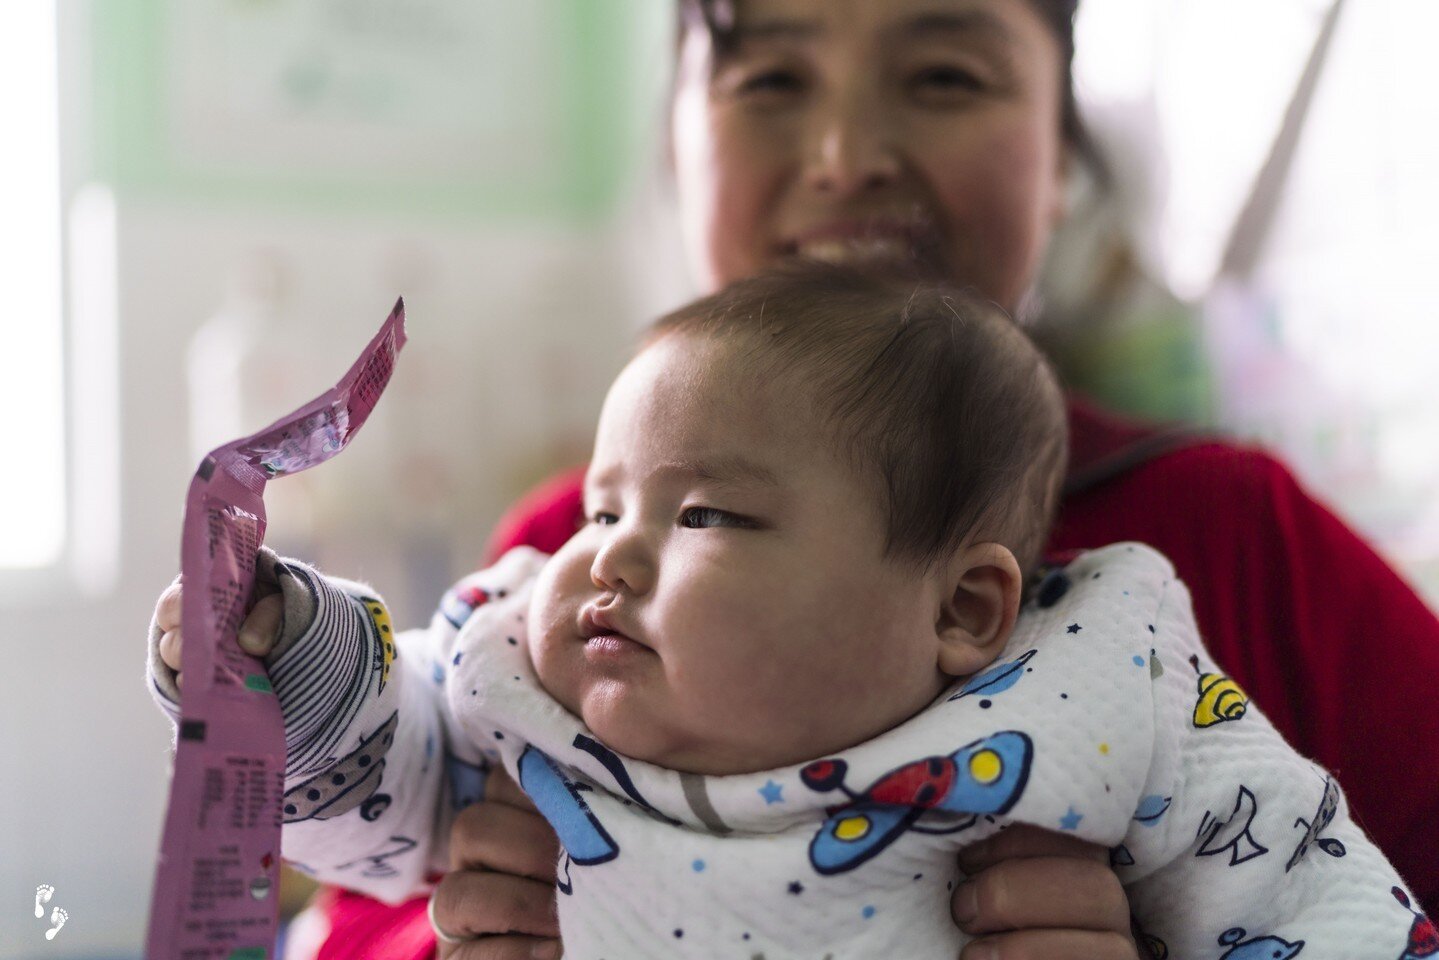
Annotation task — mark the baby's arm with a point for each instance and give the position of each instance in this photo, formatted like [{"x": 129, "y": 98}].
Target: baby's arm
[
  {"x": 1241, "y": 846},
  {"x": 364, "y": 740}
]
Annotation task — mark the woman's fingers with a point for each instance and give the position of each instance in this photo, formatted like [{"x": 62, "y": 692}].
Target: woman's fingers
[
  {"x": 473, "y": 903},
  {"x": 1043, "y": 893},
  {"x": 262, "y": 626},
  {"x": 494, "y": 836},
  {"x": 1051, "y": 945},
  {"x": 502, "y": 890},
  {"x": 499, "y": 788},
  {"x": 1022, "y": 840},
  {"x": 502, "y": 948}
]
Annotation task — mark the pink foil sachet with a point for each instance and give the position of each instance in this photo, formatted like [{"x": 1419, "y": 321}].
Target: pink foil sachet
[{"x": 217, "y": 876}]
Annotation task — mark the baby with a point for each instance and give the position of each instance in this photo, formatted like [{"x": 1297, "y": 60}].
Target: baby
[{"x": 781, "y": 674}]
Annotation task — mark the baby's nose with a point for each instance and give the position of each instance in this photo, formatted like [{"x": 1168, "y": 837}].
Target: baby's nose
[{"x": 624, "y": 563}]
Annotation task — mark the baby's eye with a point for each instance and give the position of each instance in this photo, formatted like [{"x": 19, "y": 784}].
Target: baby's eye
[
  {"x": 604, "y": 519},
  {"x": 697, "y": 518}
]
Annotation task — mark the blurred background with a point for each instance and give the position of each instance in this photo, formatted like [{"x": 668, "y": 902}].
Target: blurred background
[{"x": 208, "y": 206}]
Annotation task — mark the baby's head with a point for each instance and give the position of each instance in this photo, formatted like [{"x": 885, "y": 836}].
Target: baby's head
[{"x": 813, "y": 499}]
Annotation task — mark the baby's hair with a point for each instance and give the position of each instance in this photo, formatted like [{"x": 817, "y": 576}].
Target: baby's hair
[{"x": 926, "y": 388}]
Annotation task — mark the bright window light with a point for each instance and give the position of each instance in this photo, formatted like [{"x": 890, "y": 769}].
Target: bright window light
[
  {"x": 1326, "y": 348},
  {"x": 32, "y": 485}
]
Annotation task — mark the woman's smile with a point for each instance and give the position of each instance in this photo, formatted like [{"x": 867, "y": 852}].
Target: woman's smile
[{"x": 912, "y": 240}]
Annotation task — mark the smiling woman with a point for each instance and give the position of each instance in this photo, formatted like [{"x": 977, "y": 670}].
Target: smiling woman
[
  {"x": 941, "y": 140},
  {"x": 835, "y": 130}
]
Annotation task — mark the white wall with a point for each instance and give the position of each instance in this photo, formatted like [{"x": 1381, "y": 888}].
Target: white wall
[
  {"x": 514, "y": 336},
  {"x": 515, "y": 332}
]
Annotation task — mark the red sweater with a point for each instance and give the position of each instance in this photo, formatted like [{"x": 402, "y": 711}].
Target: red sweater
[{"x": 1335, "y": 648}]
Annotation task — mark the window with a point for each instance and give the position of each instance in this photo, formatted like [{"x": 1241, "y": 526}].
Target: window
[
  {"x": 1325, "y": 347},
  {"x": 32, "y": 415}
]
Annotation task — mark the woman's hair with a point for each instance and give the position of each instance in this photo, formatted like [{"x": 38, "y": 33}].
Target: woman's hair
[
  {"x": 930, "y": 393},
  {"x": 717, "y": 17}
]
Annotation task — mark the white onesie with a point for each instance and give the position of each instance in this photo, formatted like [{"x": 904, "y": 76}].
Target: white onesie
[{"x": 1104, "y": 717}]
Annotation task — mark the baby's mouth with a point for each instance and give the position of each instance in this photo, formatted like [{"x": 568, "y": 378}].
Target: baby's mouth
[
  {"x": 613, "y": 646},
  {"x": 603, "y": 637}
]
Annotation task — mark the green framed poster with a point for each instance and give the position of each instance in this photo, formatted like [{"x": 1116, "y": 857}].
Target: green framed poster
[{"x": 476, "y": 109}]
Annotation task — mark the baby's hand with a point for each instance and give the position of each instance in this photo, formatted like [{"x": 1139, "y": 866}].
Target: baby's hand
[{"x": 257, "y": 634}]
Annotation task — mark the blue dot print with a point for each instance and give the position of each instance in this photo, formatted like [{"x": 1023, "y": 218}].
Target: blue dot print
[
  {"x": 867, "y": 912},
  {"x": 699, "y": 866}
]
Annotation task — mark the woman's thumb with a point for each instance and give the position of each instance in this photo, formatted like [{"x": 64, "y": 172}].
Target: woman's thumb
[{"x": 262, "y": 627}]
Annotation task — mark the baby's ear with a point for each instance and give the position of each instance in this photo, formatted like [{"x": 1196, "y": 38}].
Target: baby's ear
[{"x": 978, "y": 608}]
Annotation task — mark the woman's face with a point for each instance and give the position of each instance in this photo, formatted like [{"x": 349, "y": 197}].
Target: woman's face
[{"x": 915, "y": 131}]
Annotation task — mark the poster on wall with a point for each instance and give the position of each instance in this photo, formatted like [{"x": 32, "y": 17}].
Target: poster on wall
[
  {"x": 413, "y": 87},
  {"x": 478, "y": 106}
]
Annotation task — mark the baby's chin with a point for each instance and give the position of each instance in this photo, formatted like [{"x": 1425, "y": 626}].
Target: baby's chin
[{"x": 620, "y": 720}]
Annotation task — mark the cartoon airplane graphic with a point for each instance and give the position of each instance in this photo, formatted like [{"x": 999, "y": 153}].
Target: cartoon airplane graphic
[
  {"x": 985, "y": 777},
  {"x": 584, "y": 838},
  {"x": 1423, "y": 937}
]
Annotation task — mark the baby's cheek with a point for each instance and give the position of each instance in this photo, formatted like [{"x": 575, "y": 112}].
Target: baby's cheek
[
  {"x": 757, "y": 683},
  {"x": 545, "y": 642}
]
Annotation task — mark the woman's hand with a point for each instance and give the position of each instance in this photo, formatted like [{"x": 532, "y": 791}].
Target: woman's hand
[
  {"x": 1036, "y": 895},
  {"x": 1031, "y": 894},
  {"x": 501, "y": 888}
]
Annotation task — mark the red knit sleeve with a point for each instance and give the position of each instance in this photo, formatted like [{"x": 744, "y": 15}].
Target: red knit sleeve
[
  {"x": 1333, "y": 646},
  {"x": 1358, "y": 653},
  {"x": 544, "y": 518},
  {"x": 366, "y": 929}
]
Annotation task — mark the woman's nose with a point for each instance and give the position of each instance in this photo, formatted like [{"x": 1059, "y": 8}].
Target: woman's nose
[
  {"x": 850, "y": 150},
  {"x": 625, "y": 561}
]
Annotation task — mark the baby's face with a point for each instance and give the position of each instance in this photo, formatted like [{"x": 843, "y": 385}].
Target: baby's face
[{"x": 727, "y": 606}]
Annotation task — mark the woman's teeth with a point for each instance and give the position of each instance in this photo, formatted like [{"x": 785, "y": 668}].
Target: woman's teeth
[{"x": 855, "y": 249}]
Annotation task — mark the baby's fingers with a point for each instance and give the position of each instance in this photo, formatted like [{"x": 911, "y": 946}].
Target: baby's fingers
[
  {"x": 167, "y": 609},
  {"x": 262, "y": 627},
  {"x": 170, "y": 642},
  {"x": 257, "y": 634}
]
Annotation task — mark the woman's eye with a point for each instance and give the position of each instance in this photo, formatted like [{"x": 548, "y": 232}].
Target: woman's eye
[
  {"x": 765, "y": 86},
  {"x": 947, "y": 79},
  {"x": 697, "y": 518},
  {"x": 772, "y": 80}
]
